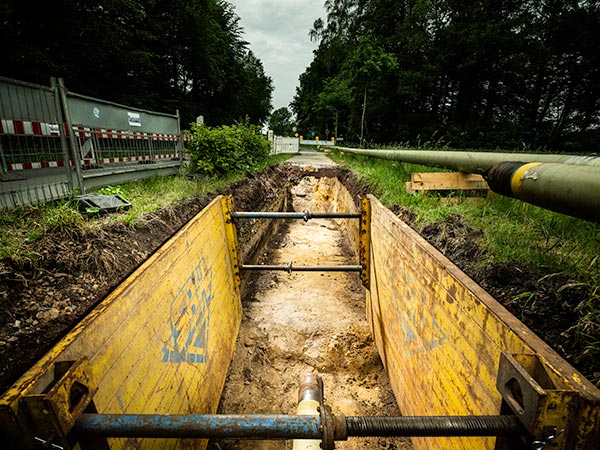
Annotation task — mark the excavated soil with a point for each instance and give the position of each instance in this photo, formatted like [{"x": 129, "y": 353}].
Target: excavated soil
[
  {"x": 289, "y": 327},
  {"x": 307, "y": 322}
]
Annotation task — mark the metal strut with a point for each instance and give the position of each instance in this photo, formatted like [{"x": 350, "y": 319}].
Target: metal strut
[
  {"x": 305, "y": 215},
  {"x": 290, "y": 427},
  {"x": 291, "y": 268}
]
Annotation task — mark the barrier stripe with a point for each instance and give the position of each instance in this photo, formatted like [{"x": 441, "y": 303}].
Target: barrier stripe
[
  {"x": 85, "y": 162},
  {"x": 37, "y": 128},
  {"x": 28, "y": 128}
]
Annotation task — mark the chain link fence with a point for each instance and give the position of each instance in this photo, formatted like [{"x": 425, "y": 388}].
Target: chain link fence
[{"x": 54, "y": 143}]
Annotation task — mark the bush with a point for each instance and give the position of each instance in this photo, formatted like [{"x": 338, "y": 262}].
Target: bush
[{"x": 226, "y": 149}]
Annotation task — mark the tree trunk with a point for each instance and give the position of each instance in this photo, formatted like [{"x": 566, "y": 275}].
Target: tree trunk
[
  {"x": 362, "y": 121},
  {"x": 336, "y": 124}
]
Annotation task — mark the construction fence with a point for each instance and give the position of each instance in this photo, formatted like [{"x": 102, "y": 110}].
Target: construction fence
[{"x": 54, "y": 143}]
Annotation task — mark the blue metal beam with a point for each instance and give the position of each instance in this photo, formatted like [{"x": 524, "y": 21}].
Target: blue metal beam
[{"x": 278, "y": 426}]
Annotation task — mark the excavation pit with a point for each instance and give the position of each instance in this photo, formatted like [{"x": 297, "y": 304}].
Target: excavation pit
[
  {"x": 300, "y": 322},
  {"x": 163, "y": 341}
]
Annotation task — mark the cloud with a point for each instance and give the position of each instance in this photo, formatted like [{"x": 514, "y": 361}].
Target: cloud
[{"x": 277, "y": 31}]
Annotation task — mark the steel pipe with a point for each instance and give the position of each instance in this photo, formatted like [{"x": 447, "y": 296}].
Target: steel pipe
[
  {"x": 470, "y": 162},
  {"x": 277, "y": 426},
  {"x": 562, "y": 183},
  {"x": 291, "y": 268},
  {"x": 305, "y": 215},
  {"x": 289, "y": 427},
  {"x": 572, "y": 190}
]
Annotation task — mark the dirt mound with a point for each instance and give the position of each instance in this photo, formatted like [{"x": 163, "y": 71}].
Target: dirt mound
[{"x": 39, "y": 305}]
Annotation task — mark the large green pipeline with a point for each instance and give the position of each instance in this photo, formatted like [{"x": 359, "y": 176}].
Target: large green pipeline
[
  {"x": 470, "y": 162},
  {"x": 568, "y": 189},
  {"x": 563, "y": 183}
]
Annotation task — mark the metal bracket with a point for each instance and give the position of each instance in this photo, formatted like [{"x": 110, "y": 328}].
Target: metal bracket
[
  {"x": 543, "y": 406},
  {"x": 364, "y": 245},
  {"x": 53, "y": 412},
  {"x": 232, "y": 239}
]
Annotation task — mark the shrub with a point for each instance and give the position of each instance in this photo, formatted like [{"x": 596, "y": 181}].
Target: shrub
[{"x": 226, "y": 149}]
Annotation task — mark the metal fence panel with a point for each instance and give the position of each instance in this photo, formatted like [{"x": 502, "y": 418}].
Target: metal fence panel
[
  {"x": 25, "y": 101},
  {"x": 94, "y": 113},
  {"x": 112, "y": 143},
  {"x": 29, "y": 126}
]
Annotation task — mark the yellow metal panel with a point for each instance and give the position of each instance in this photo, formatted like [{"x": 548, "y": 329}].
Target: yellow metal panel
[
  {"x": 441, "y": 336},
  {"x": 162, "y": 341}
]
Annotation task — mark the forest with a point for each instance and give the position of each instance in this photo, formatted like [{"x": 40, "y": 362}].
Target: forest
[
  {"x": 188, "y": 55},
  {"x": 471, "y": 74}
]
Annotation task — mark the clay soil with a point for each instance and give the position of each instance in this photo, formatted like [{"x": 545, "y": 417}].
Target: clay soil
[
  {"x": 292, "y": 323},
  {"x": 307, "y": 322}
]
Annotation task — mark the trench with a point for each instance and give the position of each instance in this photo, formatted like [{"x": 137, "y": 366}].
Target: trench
[{"x": 308, "y": 322}]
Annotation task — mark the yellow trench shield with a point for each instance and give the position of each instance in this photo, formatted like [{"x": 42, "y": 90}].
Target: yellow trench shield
[{"x": 161, "y": 342}]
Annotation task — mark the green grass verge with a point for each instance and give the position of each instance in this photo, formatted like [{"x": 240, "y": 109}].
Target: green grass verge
[
  {"x": 21, "y": 228},
  {"x": 513, "y": 230}
]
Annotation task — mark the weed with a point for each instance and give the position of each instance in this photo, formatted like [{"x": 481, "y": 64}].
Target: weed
[
  {"x": 524, "y": 301},
  {"x": 112, "y": 190}
]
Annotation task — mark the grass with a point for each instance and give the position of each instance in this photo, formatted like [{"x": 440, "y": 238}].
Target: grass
[
  {"x": 22, "y": 228},
  {"x": 512, "y": 231}
]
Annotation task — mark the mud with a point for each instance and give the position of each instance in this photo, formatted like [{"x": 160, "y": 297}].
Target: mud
[{"x": 307, "y": 322}]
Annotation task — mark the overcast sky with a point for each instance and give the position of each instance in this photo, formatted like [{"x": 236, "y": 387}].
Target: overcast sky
[{"x": 277, "y": 31}]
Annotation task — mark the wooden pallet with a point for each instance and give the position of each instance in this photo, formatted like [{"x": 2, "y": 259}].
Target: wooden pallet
[{"x": 445, "y": 181}]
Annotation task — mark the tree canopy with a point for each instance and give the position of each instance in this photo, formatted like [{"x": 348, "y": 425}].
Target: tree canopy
[
  {"x": 281, "y": 122},
  {"x": 183, "y": 54},
  {"x": 484, "y": 73}
]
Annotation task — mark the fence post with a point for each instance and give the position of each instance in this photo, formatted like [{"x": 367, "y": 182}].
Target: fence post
[
  {"x": 63, "y": 139},
  {"x": 74, "y": 148},
  {"x": 4, "y": 168},
  {"x": 180, "y": 145}
]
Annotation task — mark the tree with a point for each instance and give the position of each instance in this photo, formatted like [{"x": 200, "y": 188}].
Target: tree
[
  {"x": 185, "y": 54},
  {"x": 281, "y": 122},
  {"x": 483, "y": 73},
  {"x": 336, "y": 96},
  {"x": 368, "y": 62}
]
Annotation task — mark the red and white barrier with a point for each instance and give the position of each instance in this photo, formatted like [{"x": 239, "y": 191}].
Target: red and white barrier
[
  {"x": 36, "y": 128},
  {"x": 28, "y": 128}
]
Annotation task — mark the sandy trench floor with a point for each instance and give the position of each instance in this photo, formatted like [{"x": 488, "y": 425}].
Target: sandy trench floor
[{"x": 307, "y": 322}]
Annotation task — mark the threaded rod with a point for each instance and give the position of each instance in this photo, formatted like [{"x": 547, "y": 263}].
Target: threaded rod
[{"x": 435, "y": 426}]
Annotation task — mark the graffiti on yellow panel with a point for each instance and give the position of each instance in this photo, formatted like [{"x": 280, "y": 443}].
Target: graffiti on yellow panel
[
  {"x": 189, "y": 319},
  {"x": 421, "y": 332}
]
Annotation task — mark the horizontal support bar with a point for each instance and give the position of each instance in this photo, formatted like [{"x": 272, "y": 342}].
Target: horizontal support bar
[
  {"x": 277, "y": 426},
  {"x": 289, "y": 426},
  {"x": 305, "y": 215},
  {"x": 291, "y": 268},
  {"x": 431, "y": 426}
]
